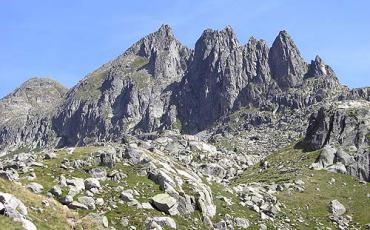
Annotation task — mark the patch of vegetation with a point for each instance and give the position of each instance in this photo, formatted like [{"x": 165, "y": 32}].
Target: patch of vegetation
[
  {"x": 139, "y": 62},
  {"x": 90, "y": 88},
  {"x": 53, "y": 215},
  {"x": 7, "y": 223},
  {"x": 291, "y": 164},
  {"x": 140, "y": 79},
  {"x": 352, "y": 113},
  {"x": 235, "y": 209}
]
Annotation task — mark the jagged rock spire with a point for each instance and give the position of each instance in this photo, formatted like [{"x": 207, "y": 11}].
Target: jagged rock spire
[
  {"x": 286, "y": 63},
  {"x": 319, "y": 68}
]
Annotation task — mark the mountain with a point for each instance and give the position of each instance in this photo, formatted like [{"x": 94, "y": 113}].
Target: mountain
[
  {"x": 26, "y": 113},
  {"x": 225, "y": 135}
]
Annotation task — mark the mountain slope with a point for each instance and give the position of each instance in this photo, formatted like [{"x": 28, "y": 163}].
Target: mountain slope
[{"x": 25, "y": 114}]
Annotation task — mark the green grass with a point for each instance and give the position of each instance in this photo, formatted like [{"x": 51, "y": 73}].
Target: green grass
[
  {"x": 235, "y": 210},
  {"x": 53, "y": 215},
  {"x": 90, "y": 88},
  {"x": 139, "y": 62},
  {"x": 7, "y": 223},
  {"x": 312, "y": 204},
  {"x": 140, "y": 79}
]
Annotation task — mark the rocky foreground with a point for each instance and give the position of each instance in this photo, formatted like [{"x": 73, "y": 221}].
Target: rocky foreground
[{"x": 222, "y": 136}]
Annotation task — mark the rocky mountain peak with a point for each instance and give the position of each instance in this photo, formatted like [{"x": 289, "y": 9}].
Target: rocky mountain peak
[
  {"x": 37, "y": 91},
  {"x": 286, "y": 63},
  {"x": 319, "y": 68},
  {"x": 217, "y": 40}
]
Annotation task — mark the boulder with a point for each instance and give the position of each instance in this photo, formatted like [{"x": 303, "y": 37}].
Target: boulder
[
  {"x": 336, "y": 208},
  {"x": 35, "y": 187},
  {"x": 165, "y": 203},
  {"x": 327, "y": 156},
  {"x": 92, "y": 183},
  {"x": 50, "y": 155},
  {"x": 76, "y": 183},
  {"x": 166, "y": 222},
  {"x": 127, "y": 196},
  {"x": 56, "y": 190},
  {"x": 89, "y": 202},
  {"x": 135, "y": 155},
  {"x": 77, "y": 205},
  {"x": 213, "y": 169},
  {"x": 241, "y": 223},
  {"x": 9, "y": 174},
  {"x": 12, "y": 207}
]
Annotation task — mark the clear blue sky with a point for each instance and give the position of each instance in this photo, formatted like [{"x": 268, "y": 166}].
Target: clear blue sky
[{"x": 68, "y": 39}]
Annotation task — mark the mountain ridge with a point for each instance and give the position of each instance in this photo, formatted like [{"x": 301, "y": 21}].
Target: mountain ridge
[{"x": 219, "y": 76}]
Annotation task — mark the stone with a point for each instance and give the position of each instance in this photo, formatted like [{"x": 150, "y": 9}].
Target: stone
[
  {"x": 10, "y": 174},
  {"x": 50, "y": 155},
  {"x": 77, "y": 183},
  {"x": 214, "y": 170},
  {"x": 35, "y": 187},
  {"x": 92, "y": 183},
  {"x": 124, "y": 222},
  {"x": 165, "y": 203},
  {"x": 336, "y": 208},
  {"x": 12, "y": 207},
  {"x": 99, "y": 201},
  {"x": 100, "y": 219},
  {"x": 89, "y": 202},
  {"x": 77, "y": 205},
  {"x": 241, "y": 223},
  {"x": 166, "y": 222},
  {"x": 66, "y": 200},
  {"x": 127, "y": 196}
]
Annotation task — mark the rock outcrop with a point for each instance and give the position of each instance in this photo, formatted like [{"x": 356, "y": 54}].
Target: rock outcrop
[{"x": 344, "y": 125}]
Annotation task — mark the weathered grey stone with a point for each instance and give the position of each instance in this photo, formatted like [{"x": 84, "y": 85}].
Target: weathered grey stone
[
  {"x": 336, "y": 208},
  {"x": 77, "y": 205},
  {"x": 165, "y": 203},
  {"x": 35, "y": 187},
  {"x": 92, "y": 183},
  {"x": 89, "y": 202},
  {"x": 166, "y": 222}
]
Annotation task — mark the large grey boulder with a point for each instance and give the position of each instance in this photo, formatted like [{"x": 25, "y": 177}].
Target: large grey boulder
[
  {"x": 12, "y": 207},
  {"x": 336, "y": 208},
  {"x": 9, "y": 174},
  {"x": 166, "y": 222},
  {"x": 35, "y": 187},
  {"x": 165, "y": 203},
  {"x": 89, "y": 202},
  {"x": 92, "y": 183}
]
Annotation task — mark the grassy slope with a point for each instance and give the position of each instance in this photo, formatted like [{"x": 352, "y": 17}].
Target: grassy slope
[
  {"x": 346, "y": 189},
  {"x": 48, "y": 177},
  {"x": 53, "y": 215},
  {"x": 312, "y": 204}
]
